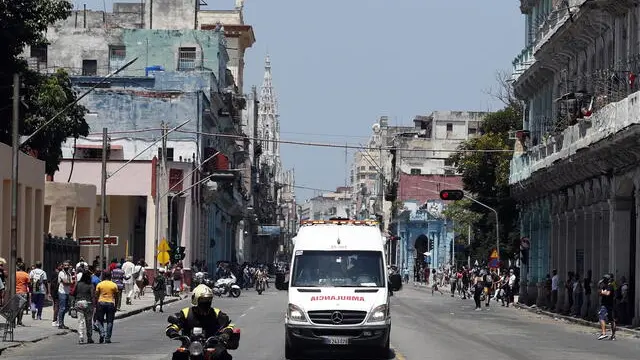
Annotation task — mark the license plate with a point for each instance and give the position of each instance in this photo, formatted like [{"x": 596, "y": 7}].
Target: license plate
[{"x": 337, "y": 340}]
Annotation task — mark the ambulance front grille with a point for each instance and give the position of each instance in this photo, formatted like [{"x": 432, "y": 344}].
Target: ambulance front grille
[{"x": 337, "y": 317}]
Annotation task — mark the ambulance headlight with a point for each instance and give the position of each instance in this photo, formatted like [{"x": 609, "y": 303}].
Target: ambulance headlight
[
  {"x": 294, "y": 313},
  {"x": 379, "y": 313}
]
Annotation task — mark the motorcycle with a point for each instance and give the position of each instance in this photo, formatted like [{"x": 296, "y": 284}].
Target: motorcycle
[
  {"x": 224, "y": 286},
  {"x": 261, "y": 285},
  {"x": 198, "y": 347}
]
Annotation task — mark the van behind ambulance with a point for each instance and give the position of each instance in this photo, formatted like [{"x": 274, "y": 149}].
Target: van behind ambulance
[{"x": 338, "y": 289}]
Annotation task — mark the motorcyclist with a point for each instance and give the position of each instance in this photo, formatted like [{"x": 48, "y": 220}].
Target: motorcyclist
[{"x": 202, "y": 315}]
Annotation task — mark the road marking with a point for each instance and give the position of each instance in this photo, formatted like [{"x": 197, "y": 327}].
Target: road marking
[
  {"x": 243, "y": 315},
  {"x": 398, "y": 354}
]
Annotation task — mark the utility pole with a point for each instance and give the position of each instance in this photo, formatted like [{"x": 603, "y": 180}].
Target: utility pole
[
  {"x": 469, "y": 243},
  {"x": 15, "y": 153},
  {"x": 103, "y": 196},
  {"x": 453, "y": 246},
  {"x": 160, "y": 179}
]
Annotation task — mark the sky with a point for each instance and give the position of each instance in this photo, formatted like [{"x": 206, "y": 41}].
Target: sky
[{"x": 338, "y": 65}]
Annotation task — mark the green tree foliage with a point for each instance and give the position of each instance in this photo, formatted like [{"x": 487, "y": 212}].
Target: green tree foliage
[
  {"x": 485, "y": 176},
  {"x": 23, "y": 23},
  {"x": 463, "y": 217}
]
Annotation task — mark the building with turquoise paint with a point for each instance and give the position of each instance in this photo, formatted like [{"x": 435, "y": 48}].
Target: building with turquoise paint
[
  {"x": 575, "y": 171},
  {"x": 181, "y": 75},
  {"x": 422, "y": 231}
]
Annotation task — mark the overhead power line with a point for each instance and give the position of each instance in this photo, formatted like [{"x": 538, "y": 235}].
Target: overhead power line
[{"x": 314, "y": 144}]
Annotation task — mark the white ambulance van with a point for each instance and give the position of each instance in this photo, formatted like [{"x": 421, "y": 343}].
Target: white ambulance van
[{"x": 338, "y": 289}]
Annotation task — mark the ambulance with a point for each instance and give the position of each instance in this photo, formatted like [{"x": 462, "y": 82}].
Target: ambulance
[{"x": 338, "y": 290}]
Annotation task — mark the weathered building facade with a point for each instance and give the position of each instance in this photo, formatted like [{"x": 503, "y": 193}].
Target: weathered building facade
[
  {"x": 188, "y": 71},
  {"x": 577, "y": 178}
]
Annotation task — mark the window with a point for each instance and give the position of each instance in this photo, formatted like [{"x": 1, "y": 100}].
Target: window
[
  {"x": 448, "y": 162},
  {"x": 89, "y": 67},
  {"x": 117, "y": 57},
  {"x": 186, "y": 58},
  {"x": 40, "y": 54},
  {"x": 338, "y": 268},
  {"x": 416, "y": 172},
  {"x": 373, "y": 176},
  {"x": 372, "y": 168},
  {"x": 449, "y": 127},
  {"x": 169, "y": 154},
  {"x": 473, "y": 131}
]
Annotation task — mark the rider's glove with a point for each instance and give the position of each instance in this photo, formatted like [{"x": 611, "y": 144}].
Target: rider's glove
[
  {"x": 225, "y": 337},
  {"x": 173, "y": 334}
]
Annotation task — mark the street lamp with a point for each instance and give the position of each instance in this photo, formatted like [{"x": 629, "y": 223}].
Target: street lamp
[{"x": 16, "y": 144}]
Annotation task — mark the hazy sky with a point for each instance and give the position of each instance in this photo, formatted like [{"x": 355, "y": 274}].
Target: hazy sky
[{"x": 340, "y": 64}]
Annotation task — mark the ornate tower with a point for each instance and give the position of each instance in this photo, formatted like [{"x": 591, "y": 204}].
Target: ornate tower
[{"x": 269, "y": 123}]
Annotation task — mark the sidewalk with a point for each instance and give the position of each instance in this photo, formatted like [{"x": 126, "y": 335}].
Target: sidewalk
[
  {"x": 38, "y": 330},
  {"x": 536, "y": 310},
  {"x": 571, "y": 319}
]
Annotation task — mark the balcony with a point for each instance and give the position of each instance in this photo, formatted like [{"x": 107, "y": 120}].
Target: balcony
[
  {"x": 613, "y": 119},
  {"x": 522, "y": 62},
  {"x": 554, "y": 20}
]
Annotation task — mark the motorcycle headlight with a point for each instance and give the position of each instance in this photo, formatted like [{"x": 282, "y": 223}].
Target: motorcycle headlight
[
  {"x": 296, "y": 314},
  {"x": 196, "y": 348},
  {"x": 379, "y": 313}
]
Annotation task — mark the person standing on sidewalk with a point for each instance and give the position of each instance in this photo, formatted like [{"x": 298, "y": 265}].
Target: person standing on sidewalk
[
  {"x": 84, "y": 293},
  {"x": 106, "y": 292},
  {"x": 39, "y": 290},
  {"x": 64, "y": 288},
  {"x": 22, "y": 289},
  {"x": 607, "y": 299},
  {"x": 555, "y": 284}
]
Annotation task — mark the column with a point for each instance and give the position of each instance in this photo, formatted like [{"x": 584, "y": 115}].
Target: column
[
  {"x": 571, "y": 243},
  {"x": 636, "y": 305},
  {"x": 587, "y": 239},
  {"x": 619, "y": 233},
  {"x": 604, "y": 240},
  {"x": 579, "y": 242},
  {"x": 562, "y": 257}
]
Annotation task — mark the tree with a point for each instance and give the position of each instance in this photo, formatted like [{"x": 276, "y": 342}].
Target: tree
[
  {"x": 485, "y": 173},
  {"x": 460, "y": 213},
  {"x": 23, "y": 23}
]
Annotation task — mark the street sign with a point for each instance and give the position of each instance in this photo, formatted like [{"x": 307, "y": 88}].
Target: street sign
[
  {"x": 164, "y": 245},
  {"x": 95, "y": 240},
  {"x": 494, "y": 254},
  {"x": 163, "y": 257},
  {"x": 494, "y": 263}
]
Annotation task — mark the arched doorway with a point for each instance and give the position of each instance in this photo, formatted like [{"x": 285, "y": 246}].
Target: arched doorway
[{"x": 421, "y": 245}]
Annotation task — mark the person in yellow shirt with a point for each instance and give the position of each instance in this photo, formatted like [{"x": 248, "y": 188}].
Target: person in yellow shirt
[{"x": 106, "y": 292}]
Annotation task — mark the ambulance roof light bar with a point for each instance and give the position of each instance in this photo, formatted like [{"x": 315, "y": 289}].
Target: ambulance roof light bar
[{"x": 339, "y": 222}]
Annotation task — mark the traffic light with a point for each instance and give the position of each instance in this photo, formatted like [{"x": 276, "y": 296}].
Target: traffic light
[
  {"x": 431, "y": 243},
  {"x": 179, "y": 253},
  {"x": 450, "y": 195}
]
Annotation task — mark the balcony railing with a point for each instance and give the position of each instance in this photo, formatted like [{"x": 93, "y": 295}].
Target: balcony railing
[
  {"x": 611, "y": 119},
  {"x": 522, "y": 62},
  {"x": 551, "y": 22}
]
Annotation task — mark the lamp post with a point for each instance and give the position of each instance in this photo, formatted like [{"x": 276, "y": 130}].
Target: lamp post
[{"x": 16, "y": 144}]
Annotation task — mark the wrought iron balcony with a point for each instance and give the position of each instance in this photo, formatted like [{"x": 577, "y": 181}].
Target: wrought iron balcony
[{"x": 522, "y": 62}]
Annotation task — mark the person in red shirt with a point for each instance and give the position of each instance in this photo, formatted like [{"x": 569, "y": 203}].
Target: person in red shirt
[{"x": 22, "y": 289}]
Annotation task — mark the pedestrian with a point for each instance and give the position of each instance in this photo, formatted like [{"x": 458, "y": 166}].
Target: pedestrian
[
  {"x": 478, "y": 287},
  {"x": 64, "y": 289},
  {"x": 159, "y": 289},
  {"x": 22, "y": 289},
  {"x": 127, "y": 267},
  {"x": 434, "y": 286},
  {"x": 117, "y": 276},
  {"x": 106, "y": 293},
  {"x": 555, "y": 285},
  {"x": 607, "y": 298},
  {"x": 39, "y": 290},
  {"x": 84, "y": 293}
]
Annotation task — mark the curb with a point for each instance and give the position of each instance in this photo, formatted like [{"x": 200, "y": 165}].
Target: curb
[
  {"x": 69, "y": 331},
  {"x": 127, "y": 314},
  {"x": 587, "y": 323}
]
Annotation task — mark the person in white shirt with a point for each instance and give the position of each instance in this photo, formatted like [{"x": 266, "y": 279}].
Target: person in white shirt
[
  {"x": 127, "y": 267},
  {"x": 555, "y": 283},
  {"x": 138, "y": 275},
  {"x": 39, "y": 289},
  {"x": 64, "y": 288},
  {"x": 81, "y": 264}
]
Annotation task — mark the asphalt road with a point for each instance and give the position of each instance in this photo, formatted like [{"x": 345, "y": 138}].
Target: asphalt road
[{"x": 424, "y": 327}]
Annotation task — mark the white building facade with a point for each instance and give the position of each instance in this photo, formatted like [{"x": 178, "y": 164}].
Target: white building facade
[{"x": 577, "y": 178}]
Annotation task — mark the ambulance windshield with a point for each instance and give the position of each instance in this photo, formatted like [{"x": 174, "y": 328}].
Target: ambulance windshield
[{"x": 338, "y": 269}]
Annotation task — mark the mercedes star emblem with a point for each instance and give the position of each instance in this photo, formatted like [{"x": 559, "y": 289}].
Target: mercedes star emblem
[{"x": 336, "y": 317}]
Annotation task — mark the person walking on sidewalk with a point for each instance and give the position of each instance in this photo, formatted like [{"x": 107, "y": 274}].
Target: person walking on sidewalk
[
  {"x": 129, "y": 280},
  {"x": 22, "y": 289},
  {"x": 607, "y": 298},
  {"x": 106, "y": 292},
  {"x": 117, "y": 276},
  {"x": 84, "y": 294},
  {"x": 39, "y": 290}
]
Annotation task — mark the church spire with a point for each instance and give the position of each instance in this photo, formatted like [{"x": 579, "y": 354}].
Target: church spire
[{"x": 268, "y": 122}]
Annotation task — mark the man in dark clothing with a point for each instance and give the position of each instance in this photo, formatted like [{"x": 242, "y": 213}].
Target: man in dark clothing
[{"x": 607, "y": 298}]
